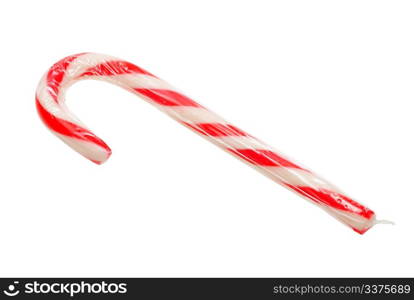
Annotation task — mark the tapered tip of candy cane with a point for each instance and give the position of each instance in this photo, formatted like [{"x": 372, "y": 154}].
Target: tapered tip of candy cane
[
  {"x": 98, "y": 153},
  {"x": 75, "y": 135},
  {"x": 369, "y": 223},
  {"x": 359, "y": 222}
]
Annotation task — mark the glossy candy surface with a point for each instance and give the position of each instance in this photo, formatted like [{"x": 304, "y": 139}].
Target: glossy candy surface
[{"x": 50, "y": 103}]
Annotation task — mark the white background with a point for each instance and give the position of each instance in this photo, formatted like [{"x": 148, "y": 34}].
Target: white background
[{"x": 330, "y": 83}]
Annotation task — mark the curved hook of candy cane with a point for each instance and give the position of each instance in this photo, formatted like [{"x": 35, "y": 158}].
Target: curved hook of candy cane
[
  {"x": 50, "y": 97},
  {"x": 50, "y": 102}
]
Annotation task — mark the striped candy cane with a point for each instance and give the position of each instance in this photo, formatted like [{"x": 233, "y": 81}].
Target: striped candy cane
[{"x": 50, "y": 103}]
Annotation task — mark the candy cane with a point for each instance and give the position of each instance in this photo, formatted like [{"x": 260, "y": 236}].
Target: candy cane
[{"x": 50, "y": 103}]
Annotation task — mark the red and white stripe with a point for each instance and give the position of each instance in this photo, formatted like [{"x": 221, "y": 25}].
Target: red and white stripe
[{"x": 50, "y": 102}]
